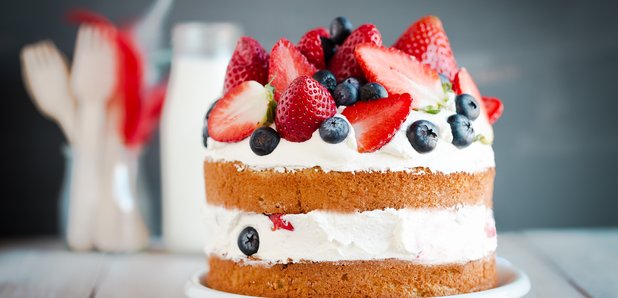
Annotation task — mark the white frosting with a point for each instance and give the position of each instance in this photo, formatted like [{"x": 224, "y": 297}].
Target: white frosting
[
  {"x": 397, "y": 155},
  {"x": 425, "y": 236}
]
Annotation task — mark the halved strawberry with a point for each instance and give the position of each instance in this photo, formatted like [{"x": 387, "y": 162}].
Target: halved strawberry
[
  {"x": 302, "y": 108},
  {"x": 249, "y": 62},
  {"x": 311, "y": 46},
  {"x": 400, "y": 73},
  {"x": 286, "y": 64},
  {"x": 427, "y": 41},
  {"x": 493, "y": 107},
  {"x": 344, "y": 65},
  {"x": 240, "y": 111},
  {"x": 375, "y": 122}
]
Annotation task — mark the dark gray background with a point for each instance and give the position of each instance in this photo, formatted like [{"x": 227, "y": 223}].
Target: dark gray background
[{"x": 553, "y": 63}]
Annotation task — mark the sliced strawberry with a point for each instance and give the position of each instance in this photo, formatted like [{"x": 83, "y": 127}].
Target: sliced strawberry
[
  {"x": 400, "y": 73},
  {"x": 302, "y": 108},
  {"x": 286, "y": 64},
  {"x": 239, "y": 112},
  {"x": 427, "y": 41},
  {"x": 311, "y": 46},
  {"x": 249, "y": 62},
  {"x": 493, "y": 107},
  {"x": 375, "y": 122},
  {"x": 344, "y": 65}
]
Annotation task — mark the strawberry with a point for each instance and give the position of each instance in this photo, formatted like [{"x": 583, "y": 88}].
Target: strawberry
[
  {"x": 375, "y": 122},
  {"x": 427, "y": 41},
  {"x": 344, "y": 65},
  {"x": 463, "y": 83},
  {"x": 493, "y": 107},
  {"x": 279, "y": 222},
  {"x": 400, "y": 73},
  {"x": 311, "y": 46},
  {"x": 249, "y": 62},
  {"x": 301, "y": 109},
  {"x": 286, "y": 64},
  {"x": 240, "y": 111}
]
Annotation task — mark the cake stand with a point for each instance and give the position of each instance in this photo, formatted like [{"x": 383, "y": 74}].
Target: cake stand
[{"x": 512, "y": 282}]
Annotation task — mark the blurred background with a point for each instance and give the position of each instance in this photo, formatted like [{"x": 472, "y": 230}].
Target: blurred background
[{"x": 553, "y": 63}]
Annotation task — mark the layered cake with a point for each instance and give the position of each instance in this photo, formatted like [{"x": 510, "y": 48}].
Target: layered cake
[{"x": 339, "y": 166}]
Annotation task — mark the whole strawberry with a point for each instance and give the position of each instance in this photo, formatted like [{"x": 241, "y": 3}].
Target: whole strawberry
[
  {"x": 302, "y": 108},
  {"x": 249, "y": 63},
  {"x": 344, "y": 65},
  {"x": 311, "y": 45},
  {"x": 427, "y": 41}
]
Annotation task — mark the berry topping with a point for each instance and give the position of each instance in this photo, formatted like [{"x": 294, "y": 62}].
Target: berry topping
[
  {"x": 463, "y": 83},
  {"x": 288, "y": 63},
  {"x": 423, "y": 136},
  {"x": 461, "y": 127},
  {"x": 372, "y": 91},
  {"x": 340, "y": 29},
  {"x": 400, "y": 73},
  {"x": 302, "y": 108},
  {"x": 279, "y": 222},
  {"x": 326, "y": 78},
  {"x": 427, "y": 41},
  {"x": 310, "y": 45},
  {"x": 345, "y": 94},
  {"x": 493, "y": 107},
  {"x": 467, "y": 105},
  {"x": 240, "y": 111},
  {"x": 353, "y": 81},
  {"x": 248, "y": 241},
  {"x": 249, "y": 63},
  {"x": 376, "y": 122},
  {"x": 344, "y": 63},
  {"x": 264, "y": 140},
  {"x": 334, "y": 130}
]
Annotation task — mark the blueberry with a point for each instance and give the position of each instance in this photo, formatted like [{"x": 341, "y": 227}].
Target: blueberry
[
  {"x": 345, "y": 94},
  {"x": 371, "y": 91},
  {"x": 467, "y": 105},
  {"x": 352, "y": 80},
  {"x": 249, "y": 241},
  {"x": 463, "y": 132},
  {"x": 326, "y": 78},
  {"x": 205, "y": 128},
  {"x": 264, "y": 140},
  {"x": 328, "y": 47},
  {"x": 340, "y": 29},
  {"x": 423, "y": 136},
  {"x": 334, "y": 130}
]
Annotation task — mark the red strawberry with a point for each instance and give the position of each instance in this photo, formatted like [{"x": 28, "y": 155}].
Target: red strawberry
[
  {"x": 279, "y": 222},
  {"x": 375, "y": 122},
  {"x": 303, "y": 106},
  {"x": 239, "y": 112},
  {"x": 249, "y": 62},
  {"x": 493, "y": 107},
  {"x": 344, "y": 65},
  {"x": 400, "y": 73},
  {"x": 463, "y": 83},
  {"x": 286, "y": 64},
  {"x": 427, "y": 41},
  {"x": 311, "y": 46}
]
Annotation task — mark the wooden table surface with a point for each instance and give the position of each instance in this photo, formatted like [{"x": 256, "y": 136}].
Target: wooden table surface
[{"x": 560, "y": 263}]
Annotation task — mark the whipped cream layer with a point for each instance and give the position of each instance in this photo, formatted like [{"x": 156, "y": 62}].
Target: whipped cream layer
[
  {"x": 424, "y": 236},
  {"x": 397, "y": 155}
]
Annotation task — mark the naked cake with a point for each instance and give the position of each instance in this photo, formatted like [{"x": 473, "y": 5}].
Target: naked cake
[{"x": 341, "y": 167}]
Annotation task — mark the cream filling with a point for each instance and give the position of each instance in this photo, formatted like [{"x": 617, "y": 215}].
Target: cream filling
[
  {"x": 424, "y": 236},
  {"x": 397, "y": 155}
]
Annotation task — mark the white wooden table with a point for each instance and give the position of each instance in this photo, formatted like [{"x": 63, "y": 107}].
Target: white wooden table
[{"x": 560, "y": 263}]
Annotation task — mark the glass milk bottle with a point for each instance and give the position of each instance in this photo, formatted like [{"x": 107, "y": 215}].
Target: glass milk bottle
[{"x": 201, "y": 52}]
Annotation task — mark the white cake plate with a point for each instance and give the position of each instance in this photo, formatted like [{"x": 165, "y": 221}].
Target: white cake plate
[{"x": 512, "y": 282}]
